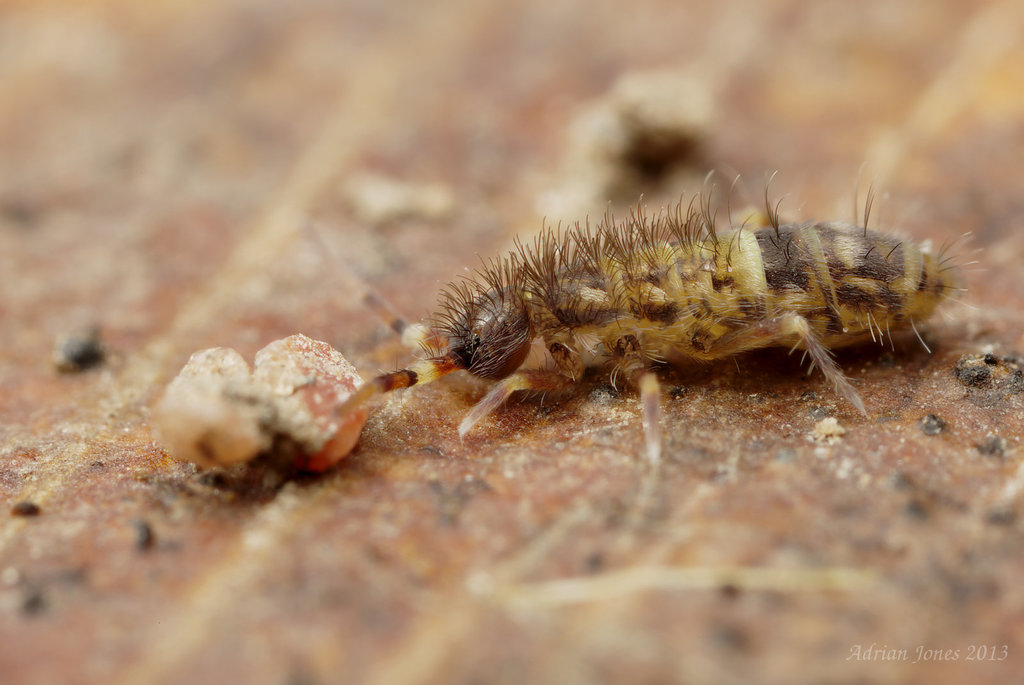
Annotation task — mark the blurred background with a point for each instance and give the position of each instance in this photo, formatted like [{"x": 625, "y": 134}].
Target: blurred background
[{"x": 176, "y": 175}]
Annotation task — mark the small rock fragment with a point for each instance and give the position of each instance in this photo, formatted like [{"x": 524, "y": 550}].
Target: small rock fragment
[
  {"x": 650, "y": 125},
  {"x": 212, "y": 413},
  {"x": 309, "y": 380},
  {"x": 662, "y": 116},
  {"x": 1005, "y": 373},
  {"x": 973, "y": 371},
  {"x": 828, "y": 430},
  {"x": 932, "y": 424},
  {"x": 378, "y": 199},
  {"x": 217, "y": 413}
]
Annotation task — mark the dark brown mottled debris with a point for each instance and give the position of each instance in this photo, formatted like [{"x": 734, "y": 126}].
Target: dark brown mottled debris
[{"x": 1005, "y": 373}]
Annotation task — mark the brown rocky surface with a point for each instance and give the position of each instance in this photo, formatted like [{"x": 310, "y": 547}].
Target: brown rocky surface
[{"x": 178, "y": 175}]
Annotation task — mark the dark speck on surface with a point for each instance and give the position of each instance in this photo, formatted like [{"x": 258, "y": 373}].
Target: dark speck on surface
[
  {"x": 899, "y": 480},
  {"x": 732, "y": 637},
  {"x": 994, "y": 446},
  {"x": 213, "y": 479},
  {"x": 144, "y": 537},
  {"x": 918, "y": 508},
  {"x": 33, "y": 602},
  {"x": 1002, "y": 516},
  {"x": 25, "y": 508},
  {"x": 932, "y": 425},
  {"x": 432, "y": 451},
  {"x": 730, "y": 591},
  {"x": 79, "y": 351}
]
